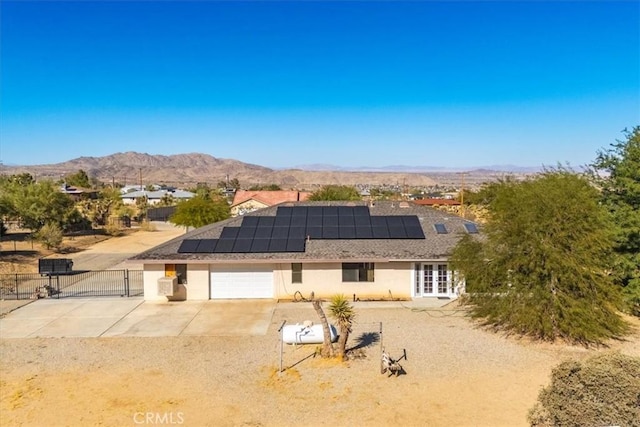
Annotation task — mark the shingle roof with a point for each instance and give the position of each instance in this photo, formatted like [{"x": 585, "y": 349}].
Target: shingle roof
[{"x": 434, "y": 246}]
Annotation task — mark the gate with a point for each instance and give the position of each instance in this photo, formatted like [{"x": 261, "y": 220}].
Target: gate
[{"x": 98, "y": 283}]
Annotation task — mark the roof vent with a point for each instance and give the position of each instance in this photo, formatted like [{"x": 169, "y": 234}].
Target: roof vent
[
  {"x": 440, "y": 228},
  {"x": 404, "y": 205}
]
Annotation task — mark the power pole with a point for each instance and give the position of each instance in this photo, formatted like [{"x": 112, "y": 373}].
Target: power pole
[{"x": 462, "y": 174}]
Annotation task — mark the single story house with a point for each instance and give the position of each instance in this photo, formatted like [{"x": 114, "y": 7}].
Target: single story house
[
  {"x": 154, "y": 197},
  {"x": 382, "y": 250},
  {"x": 245, "y": 201}
]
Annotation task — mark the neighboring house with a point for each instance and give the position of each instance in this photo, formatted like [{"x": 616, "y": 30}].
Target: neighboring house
[
  {"x": 78, "y": 193},
  {"x": 245, "y": 201},
  {"x": 380, "y": 251},
  {"x": 449, "y": 205},
  {"x": 154, "y": 197}
]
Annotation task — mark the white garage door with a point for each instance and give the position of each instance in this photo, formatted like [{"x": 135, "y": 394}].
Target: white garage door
[{"x": 241, "y": 282}]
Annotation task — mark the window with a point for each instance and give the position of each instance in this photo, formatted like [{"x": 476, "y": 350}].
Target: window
[
  {"x": 176, "y": 270},
  {"x": 357, "y": 272},
  {"x": 296, "y": 273}
]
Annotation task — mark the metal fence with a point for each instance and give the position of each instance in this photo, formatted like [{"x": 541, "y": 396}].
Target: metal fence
[{"x": 101, "y": 283}]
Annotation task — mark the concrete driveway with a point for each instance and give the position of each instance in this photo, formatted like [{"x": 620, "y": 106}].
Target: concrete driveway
[{"x": 133, "y": 317}]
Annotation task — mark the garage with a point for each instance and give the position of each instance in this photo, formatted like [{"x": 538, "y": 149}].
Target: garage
[{"x": 241, "y": 282}]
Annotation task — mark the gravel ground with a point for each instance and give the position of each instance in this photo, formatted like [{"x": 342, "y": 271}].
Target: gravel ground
[{"x": 456, "y": 375}]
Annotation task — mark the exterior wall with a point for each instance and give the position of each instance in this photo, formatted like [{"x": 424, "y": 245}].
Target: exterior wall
[
  {"x": 197, "y": 282},
  {"x": 391, "y": 280},
  {"x": 150, "y": 275},
  {"x": 196, "y": 288},
  {"x": 247, "y": 206}
]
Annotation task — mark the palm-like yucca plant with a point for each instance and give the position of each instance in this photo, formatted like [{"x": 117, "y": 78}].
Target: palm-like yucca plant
[{"x": 343, "y": 313}]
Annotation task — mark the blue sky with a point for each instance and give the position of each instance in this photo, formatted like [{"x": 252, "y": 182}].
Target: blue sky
[{"x": 355, "y": 83}]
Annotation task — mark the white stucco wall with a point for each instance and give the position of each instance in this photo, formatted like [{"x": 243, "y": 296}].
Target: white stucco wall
[
  {"x": 198, "y": 282},
  {"x": 151, "y": 274},
  {"x": 391, "y": 280}
]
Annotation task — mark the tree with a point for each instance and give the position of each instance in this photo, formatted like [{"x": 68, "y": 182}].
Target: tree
[
  {"x": 327, "y": 345},
  {"x": 343, "y": 313},
  {"x": 78, "y": 179},
  {"x": 335, "y": 192},
  {"x": 269, "y": 187},
  {"x": 541, "y": 267},
  {"x": 234, "y": 183},
  {"x": 39, "y": 203},
  {"x": 200, "y": 211},
  {"x": 600, "y": 391},
  {"x": 617, "y": 172},
  {"x": 50, "y": 235}
]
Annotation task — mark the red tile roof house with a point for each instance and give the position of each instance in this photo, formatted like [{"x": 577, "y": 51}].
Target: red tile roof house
[
  {"x": 246, "y": 201},
  {"x": 384, "y": 251}
]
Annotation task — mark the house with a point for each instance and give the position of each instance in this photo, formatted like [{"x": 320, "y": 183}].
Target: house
[
  {"x": 449, "y": 205},
  {"x": 154, "y": 197},
  {"x": 78, "y": 193},
  {"x": 245, "y": 201},
  {"x": 369, "y": 251}
]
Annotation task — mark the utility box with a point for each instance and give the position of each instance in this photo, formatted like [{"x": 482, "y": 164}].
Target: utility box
[
  {"x": 51, "y": 266},
  {"x": 167, "y": 286}
]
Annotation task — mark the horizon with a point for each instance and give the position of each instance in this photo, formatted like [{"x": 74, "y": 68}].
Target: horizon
[{"x": 350, "y": 84}]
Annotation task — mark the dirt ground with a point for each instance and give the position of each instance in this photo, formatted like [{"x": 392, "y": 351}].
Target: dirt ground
[{"x": 456, "y": 375}]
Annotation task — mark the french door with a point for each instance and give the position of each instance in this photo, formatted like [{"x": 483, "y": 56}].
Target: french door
[{"x": 432, "y": 280}]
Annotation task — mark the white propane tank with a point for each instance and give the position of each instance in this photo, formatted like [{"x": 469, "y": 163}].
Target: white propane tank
[{"x": 306, "y": 334}]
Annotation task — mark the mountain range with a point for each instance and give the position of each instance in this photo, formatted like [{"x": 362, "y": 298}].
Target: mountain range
[{"x": 192, "y": 168}]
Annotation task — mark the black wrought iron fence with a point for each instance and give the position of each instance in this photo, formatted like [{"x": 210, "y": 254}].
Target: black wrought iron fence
[{"x": 99, "y": 283}]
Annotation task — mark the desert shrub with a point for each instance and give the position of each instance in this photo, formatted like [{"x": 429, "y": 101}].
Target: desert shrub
[
  {"x": 113, "y": 229},
  {"x": 50, "y": 235},
  {"x": 603, "y": 390},
  {"x": 147, "y": 226}
]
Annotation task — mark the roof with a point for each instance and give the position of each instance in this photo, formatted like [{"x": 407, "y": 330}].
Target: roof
[
  {"x": 269, "y": 198},
  {"x": 178, "y": 194},
  {"x": 434, "y": 246},
  {"x": 437, "y": 202}
]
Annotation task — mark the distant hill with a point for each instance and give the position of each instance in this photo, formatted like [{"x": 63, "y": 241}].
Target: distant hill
[{"x": 190, "y": 169}]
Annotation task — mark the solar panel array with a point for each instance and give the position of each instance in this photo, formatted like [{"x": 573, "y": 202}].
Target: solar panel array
[{"x": 289, "y": 229}]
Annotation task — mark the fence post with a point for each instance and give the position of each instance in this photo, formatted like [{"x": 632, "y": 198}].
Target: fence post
[
  {"x": 126, "y": 282},
  {"x": 58, "y": 286},
  {"x": 17, "y": 290}
]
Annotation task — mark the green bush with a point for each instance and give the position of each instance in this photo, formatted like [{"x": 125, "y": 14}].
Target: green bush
[
  {"x": 50, "y": 235},
  {"x": 603, "y": 390}
]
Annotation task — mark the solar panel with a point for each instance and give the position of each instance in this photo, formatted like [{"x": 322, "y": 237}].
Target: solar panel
[
  {"x": 330, "y": 232},
  {"x": 314, "y": 221},
  {"x": 394, "y": 221},
  {"x": 224, "y": 246},
  {"x": 263, "y": 233},
  {"x": 345, "y": 211},
  {"x": 299, "y": 211},
  {"x": 411, "y": 221},
  {"x": 284, "y": 211},
  {"x": 378, "y": 221},
  {"x": 188, "y": 246},
  {"x": 361, "y": 211},
  {"x": 347, "y": 232},
  {"x": 396, "y": 232},
  {"x": 329, "y": 211},
  {"x": 471, "y": 228},
  {"x": 440, "y": 228},
  {"x": 266, "y": 221},
  {"x": 362, "y": 221},
  {"x": 414, "y": 232},
  {"x": 250, "y": 221},
  {"x": 295, "y": 245},
  {"x": 242, "y": 246},
  {"x": 364, "y": 233},
  {"x": 315, "y": 211},
  {"x": 278, "y": 245},
  {"x": 314, "y": 232},
  {"x": 280, "y": 233},
  {"x": 297, "y": 233},
  {"x": 229, "y": 233},
  {"x": 282, "y": 221},
  {"x": 207, "y": 246},
  {"x": 346, "y": 221},
  {"x": 260, "y": 245},
  {"x": 298, "y": 221},
  {"x": 330, "y": 221},
  {"x": 380, "y": 232},
  {"x": 247, "y": 232}
]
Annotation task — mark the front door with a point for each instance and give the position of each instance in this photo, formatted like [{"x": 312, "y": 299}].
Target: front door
[{"x": 432, "y": 280}]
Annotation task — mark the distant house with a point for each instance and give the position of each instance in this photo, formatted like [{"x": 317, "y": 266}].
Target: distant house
[
  {"x": 449, "y": 205},
  {"x": 245, "y": 201},
  {"x": 77, "y": 193},
  {"x": 383, "y": 250},
  {"x": 154, "y": 197}
]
